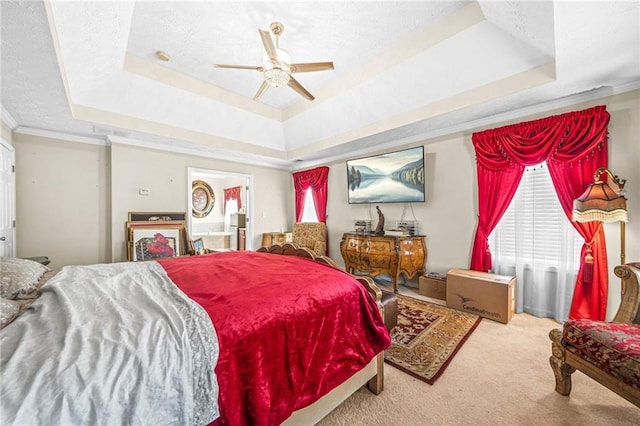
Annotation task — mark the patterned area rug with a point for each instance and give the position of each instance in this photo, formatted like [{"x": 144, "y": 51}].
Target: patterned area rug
[{"x": 427, "y": 337}]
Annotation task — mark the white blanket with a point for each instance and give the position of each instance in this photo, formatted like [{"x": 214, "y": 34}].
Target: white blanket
[{"x": 115, "y": 344}]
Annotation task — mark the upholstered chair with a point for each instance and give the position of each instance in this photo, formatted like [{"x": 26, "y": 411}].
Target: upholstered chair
[
  {"x": 608, "y": 352},
  {"x": 312, "y": 235}
]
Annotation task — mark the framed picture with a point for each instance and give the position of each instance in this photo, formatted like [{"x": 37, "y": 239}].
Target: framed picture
[
  {"x": 155, "y": 243},
  {"x": 156, "y": 216},
  {"x": 198, "y": 246},
  {"x": 202, "y": 198},
  {"x": 155, "y": 240},
  {"x": 393, "y": 177}
]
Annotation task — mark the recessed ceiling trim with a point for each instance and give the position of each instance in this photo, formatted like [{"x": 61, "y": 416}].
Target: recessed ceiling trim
[
  {"x": 164, "y": 75},
  {"x": 136, "y": 124},
  {"x": 445, "y": 28},
  {"x": 236, "y": 158},
  {"x": 522, "y": 81},
  {"x": 482, "y": 123},
  {"x": 58, "y": 52},
  {"x": 50, "y": 134},
  {"x": 8, "y": 118}
]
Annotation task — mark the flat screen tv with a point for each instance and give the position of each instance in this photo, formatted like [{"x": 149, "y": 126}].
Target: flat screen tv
[{"x": 394, "y": 177}]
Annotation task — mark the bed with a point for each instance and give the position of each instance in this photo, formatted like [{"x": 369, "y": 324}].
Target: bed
[{"x": 230, "y": 338}]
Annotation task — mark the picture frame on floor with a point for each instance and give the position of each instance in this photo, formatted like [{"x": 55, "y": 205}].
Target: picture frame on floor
[
  {"x": 155, "y": 240},
  {"x": 156, "y": 216},
  {"x": 198, "y": 246}
]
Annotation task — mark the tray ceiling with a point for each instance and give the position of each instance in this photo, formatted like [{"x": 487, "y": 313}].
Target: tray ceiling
[{"x": 403, "y": 70}]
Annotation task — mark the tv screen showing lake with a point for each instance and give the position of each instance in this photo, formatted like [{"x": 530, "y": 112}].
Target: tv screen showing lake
[{"x": 396, "y": 177}]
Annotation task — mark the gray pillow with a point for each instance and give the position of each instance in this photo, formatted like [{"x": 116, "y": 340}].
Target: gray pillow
[
  {"x": 9, "y": 310},
  {"x": 19, "y": 278}
]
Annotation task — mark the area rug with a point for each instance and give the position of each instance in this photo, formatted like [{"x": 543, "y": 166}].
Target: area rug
[{"x": 427, "y": 337}]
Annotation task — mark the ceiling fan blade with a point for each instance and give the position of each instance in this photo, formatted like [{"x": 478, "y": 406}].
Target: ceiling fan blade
[
  {"x": 295, "y": 85},
  {"x": 261, "y": 90},
  {"x": 269, "y": 47},
  {"x": 240, "y": 67},
  {"x": 312, "y": 66}
]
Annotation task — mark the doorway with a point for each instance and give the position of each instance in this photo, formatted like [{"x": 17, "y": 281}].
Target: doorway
[
  {"x": 216, "y": 228},
  {"x": 7, "y": 200}
]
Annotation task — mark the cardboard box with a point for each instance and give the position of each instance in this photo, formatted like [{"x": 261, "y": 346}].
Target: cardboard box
[
  {"x": 435, "y": 287},
  {"x": 488, "y": 295}
]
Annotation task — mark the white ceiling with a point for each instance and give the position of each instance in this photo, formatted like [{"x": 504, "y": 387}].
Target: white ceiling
[{"x": 404, "y": 71}]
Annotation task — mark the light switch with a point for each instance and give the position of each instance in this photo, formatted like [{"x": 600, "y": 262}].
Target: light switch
[{"x": 144, "y": 191}]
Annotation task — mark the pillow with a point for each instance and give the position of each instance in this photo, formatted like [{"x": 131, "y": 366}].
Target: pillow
[
  {"x": 19, "y": 278},
  {"x": 9, "y": 310}
]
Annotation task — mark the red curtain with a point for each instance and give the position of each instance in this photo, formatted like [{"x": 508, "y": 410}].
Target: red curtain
[
  {"x": 232, "y": 194},
  {"x": 316, "y": 179},
  {"x": 574, "y": 145}
]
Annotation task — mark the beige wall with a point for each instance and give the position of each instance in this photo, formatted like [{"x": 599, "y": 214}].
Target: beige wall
[
  {"x": 62, "y": 200},
  {"x": 165, "y": 175},
  {"x": 73, "y": 198},
  {"x": 448, "y": 217}
]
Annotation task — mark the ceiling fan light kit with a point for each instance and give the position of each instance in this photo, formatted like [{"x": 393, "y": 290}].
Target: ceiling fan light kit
[
  {"x": 277, "y": 67},
  {"x": 276, "y": 74}
]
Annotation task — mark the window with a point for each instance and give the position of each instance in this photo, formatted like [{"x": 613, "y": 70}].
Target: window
[
  {"x": 309, "y": 211},
  {"x": 536, "y": 242},
  {"x": 230, "y": 208}
]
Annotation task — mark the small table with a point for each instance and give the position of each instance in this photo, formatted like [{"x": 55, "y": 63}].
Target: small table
[{"x": 271, "y": 238}]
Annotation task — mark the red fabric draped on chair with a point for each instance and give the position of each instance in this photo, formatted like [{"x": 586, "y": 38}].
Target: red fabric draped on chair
[
  {"x": 232, "y": 194},
  {"x": 574, "y": 145}
]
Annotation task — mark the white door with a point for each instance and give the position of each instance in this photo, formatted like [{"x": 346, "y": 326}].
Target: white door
[{"x": 7, "y": 200}]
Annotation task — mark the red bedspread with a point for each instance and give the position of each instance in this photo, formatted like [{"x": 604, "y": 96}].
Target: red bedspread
[{"x": 289, "y": 329}]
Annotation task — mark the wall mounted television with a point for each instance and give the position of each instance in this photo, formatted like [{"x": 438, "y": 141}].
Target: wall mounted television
[{"x": 394, "y": 177}]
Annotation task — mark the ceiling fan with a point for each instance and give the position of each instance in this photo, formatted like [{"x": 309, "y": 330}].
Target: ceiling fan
[{"x": 277, "y": 67}]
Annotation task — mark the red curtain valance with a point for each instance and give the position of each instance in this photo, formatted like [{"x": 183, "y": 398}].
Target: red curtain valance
[
  {"x": 564, "y": 138},
  {"x": 574, "y": 145},
  {"x": 232, "y": 194}
]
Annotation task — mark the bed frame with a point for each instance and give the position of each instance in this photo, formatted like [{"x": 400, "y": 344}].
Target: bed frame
[{"x": 372, "y": 375}]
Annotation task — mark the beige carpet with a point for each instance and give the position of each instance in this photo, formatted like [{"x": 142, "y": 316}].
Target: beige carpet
[
  {"x": 500, "y": 376},
  {"x": 427, "y": 337}
]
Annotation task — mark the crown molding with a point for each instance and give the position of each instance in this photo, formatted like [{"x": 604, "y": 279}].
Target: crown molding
[
  {"x": 8, "y": 118},
  {"x": 97, "y": 140},
  {"x": 586, "y": 96},
  {"x": 292, "y": 164},
  {"x": 240, "y": 157}
]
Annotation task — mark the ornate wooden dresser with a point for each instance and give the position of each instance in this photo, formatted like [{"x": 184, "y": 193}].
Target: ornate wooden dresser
[{"x": 382, "y": 254}]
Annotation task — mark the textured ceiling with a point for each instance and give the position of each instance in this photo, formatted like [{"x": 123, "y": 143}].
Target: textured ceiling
[{"x": 403, "y": 70}]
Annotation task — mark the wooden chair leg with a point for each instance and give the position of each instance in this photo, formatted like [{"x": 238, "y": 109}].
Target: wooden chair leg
[{"x": 561, "y": 370}]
